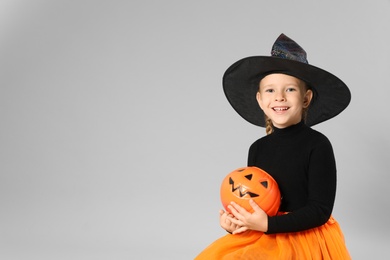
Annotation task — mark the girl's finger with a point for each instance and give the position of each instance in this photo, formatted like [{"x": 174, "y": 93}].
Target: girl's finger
[
  {"x": 254, "y": 206},
  {"x": 240, "y": 209},
  {"x": 234, "y": 212},
  {"x": 240, "y": 230},
  {"x": 236, "y": 221}
]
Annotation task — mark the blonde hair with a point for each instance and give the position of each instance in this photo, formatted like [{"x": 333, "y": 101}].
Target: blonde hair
[{"x": 269, "y": 127}]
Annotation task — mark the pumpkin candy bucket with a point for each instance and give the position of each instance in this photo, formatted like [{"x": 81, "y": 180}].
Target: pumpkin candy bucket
[{"x": 247, "y": 183}]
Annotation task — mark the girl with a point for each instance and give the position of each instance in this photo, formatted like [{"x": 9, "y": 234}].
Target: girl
[{"x": 286, "y": 95}]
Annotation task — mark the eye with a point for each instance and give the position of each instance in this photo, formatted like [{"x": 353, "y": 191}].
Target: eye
[
  {"x": 291, "y": 89},
  {"x": 269, "y": 90}
]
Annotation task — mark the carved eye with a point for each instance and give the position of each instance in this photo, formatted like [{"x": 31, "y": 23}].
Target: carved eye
[{"x": 249, "y": 176}]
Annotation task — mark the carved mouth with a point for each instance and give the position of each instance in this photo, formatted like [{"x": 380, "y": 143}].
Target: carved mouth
[{"x": 241, "y": 190}]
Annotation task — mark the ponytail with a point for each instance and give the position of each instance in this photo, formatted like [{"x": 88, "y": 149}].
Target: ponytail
[{"x": 269, "y": 127}]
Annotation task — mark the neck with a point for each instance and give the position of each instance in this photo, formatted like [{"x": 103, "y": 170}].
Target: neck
[{"x": 289, "y": 129}]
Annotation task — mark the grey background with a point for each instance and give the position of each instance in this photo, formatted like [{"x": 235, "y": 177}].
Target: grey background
[{"x": 115, "y": 132}]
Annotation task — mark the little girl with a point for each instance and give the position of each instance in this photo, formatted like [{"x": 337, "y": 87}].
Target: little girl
[{"x": 285, "y": 94}]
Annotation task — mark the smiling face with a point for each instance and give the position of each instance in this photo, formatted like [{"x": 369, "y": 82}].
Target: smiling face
[{"x": 283, "y": 98}]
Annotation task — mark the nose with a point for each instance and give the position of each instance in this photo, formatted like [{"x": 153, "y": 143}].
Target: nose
[{"x": 280, "y": 96}]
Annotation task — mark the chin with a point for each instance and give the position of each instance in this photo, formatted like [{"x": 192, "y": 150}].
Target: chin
[{"x": 283, "y": 124}]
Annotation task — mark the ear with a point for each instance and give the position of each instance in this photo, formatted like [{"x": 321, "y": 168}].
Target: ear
[
  {"x": 259, "y": 100},
  {"x": 307, "y": 98}
]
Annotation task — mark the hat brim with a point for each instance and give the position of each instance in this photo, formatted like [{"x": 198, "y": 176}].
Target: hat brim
[{"x": 241, "y": 83}]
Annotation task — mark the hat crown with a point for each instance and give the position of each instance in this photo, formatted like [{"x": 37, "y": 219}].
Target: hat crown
[{"x": 286, "y": 48}]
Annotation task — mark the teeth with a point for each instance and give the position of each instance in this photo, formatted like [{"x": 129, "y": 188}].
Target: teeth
[{"x": 280, "y": 108}]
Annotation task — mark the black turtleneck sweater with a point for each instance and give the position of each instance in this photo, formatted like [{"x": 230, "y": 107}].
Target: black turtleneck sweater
[{"x": 302, "y": 162}]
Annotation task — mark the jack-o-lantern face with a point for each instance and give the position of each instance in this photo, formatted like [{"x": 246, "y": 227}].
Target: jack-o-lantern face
[
  {"x": 251, "y": 183},
  {"x": 241, "y": 190}
]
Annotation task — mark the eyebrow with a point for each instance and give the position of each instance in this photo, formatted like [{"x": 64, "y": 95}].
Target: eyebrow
[{"x": 287, "y": 85}]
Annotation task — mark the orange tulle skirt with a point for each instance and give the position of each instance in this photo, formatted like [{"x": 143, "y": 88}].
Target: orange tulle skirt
[{"x": 322, "y": 243}]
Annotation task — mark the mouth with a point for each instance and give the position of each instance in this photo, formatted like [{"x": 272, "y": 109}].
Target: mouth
[{"x": 280, "y": 109}]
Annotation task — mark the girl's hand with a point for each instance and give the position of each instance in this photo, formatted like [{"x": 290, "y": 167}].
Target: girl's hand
[
  {"x": 225, "y": 221},
  {"x": 244, "y": 220}
]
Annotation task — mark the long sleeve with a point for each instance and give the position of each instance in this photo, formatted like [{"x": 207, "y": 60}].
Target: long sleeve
[{"x": 305, "y": 169}]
